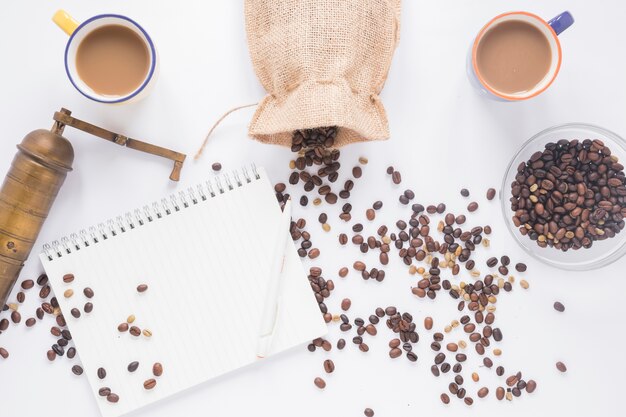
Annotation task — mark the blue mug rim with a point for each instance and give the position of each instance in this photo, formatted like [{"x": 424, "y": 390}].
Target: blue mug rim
[{"x": 152, "y": 63}]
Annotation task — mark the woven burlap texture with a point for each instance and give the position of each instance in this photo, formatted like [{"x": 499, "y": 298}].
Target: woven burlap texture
[{"x": 323, "y": 63}]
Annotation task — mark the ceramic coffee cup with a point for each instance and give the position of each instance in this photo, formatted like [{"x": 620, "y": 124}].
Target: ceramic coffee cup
[
  {"x": 77, "y": 33},
  {"x": 550, "y": 29}
]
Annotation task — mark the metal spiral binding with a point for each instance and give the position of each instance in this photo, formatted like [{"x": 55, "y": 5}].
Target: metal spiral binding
[{"x": 149, "y": 213}]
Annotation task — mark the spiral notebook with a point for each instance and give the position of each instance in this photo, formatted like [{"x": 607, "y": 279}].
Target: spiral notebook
[{"x": 205, "y": 258}]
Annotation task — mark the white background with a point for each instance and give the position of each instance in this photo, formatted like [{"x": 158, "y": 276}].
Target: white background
[{"x": 443, "y": 137}]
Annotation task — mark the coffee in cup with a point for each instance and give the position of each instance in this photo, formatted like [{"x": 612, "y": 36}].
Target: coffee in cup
[
  {"x": 517, "y": 55},
  {"x": 113, "y": 60},
  {"x": 108, "y": 58}
]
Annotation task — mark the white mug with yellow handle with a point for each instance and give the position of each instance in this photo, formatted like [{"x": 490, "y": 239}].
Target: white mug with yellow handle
[{"x": 96, "y": 68}]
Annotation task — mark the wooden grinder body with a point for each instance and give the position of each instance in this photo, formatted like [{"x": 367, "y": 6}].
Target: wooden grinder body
[{"x": 30, "y": 187}]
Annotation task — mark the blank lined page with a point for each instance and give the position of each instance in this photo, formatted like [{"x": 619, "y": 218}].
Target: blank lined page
[{"x": 206, "y": 268}]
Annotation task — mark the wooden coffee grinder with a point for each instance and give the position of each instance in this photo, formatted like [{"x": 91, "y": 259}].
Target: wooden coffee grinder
[{"x": 36, "y": 175}]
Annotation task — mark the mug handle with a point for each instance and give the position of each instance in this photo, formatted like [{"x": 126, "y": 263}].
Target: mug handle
[
  {"x": 561, "y": 22},
  {"x": 66, "y": 22}
]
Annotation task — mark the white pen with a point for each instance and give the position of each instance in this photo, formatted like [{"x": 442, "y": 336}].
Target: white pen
[{"x": 270, "y": 311}]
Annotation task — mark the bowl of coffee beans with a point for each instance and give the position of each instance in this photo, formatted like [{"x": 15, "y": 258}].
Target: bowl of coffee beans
[{"x": 564, "y": 196}]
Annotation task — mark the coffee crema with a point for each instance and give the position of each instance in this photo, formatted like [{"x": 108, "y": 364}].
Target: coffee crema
[
  {"x": 513, "y": 57},
  {"x": 113, "y": 60}
]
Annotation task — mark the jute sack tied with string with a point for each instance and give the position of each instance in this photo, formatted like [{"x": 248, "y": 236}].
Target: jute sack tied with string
[{"x": 322, "y": 63}]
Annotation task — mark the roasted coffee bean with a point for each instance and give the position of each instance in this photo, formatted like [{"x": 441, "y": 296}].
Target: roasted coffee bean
[
  {"x": 497, "y": 334},
  {"x": 88, "y": 292},
  {"x": 44, "y": 292},
  {"x": 71, "y": 352},
  {"x": 468, "y": 400},
  {"x": 368, "y": 412},
  {"x": 216, "y": 166},
  {"x": 445, "y": 367},
  {"x": 391, "y": 311},
  {"x": 341, "y": 343},
  {"x": 395, "y": 353},
  {"x": 16, "y": 317},
  {"x": 27, "y": 284},
  {"x": 77, "y": 370},
  {"x": 102, "y": 373},
  {"x": 500, "y": 370},
  {"x": 428, "y": 323},
  {"x": 520, "y": 267},
  {"x": 452, "y": 347},
  {"x": 320, "y": 383},
  {"x": 67, "y": 278},
  {"x": 135, "y": 331},
  {"x": 531, "y": 386},
  {"x": 500, "y": 393},
  {"x": 561, "y": 367},
  {"x": 42, "y": 280},
  {"x": 4, "y": 353},
  {"x": 123, "y": 327},
  {"x": 329, "y": 366},
  {"x": 472, "y": 207},
  {"x": 445, "y": 398},
  {"x": 4, "y": 324},
  {"x": 491, "y": 262},
  {"x": 149, "y": 383},
  {"x": 132, "y": 367},
  {"x": 491, "y": 193},
  {"x": 558, "y": 306},
  {"x": 345, "y": 304},
  {"x": 396, "y": 177},
  {"x": 157, "y": 369},
  {"x": 30, "y": 322},
  {"x": 51, "y": 355},
  {"x": 88, "y": 307},
  {"x": 113, "y": 398},
  {"x": 75, "y": 312},
  {"x": 104, "y": 391},
  {"x": 411, "y": 356}
]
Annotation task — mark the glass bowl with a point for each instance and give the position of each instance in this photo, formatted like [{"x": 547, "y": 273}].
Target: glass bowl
[{"x": 602, "y": 252}]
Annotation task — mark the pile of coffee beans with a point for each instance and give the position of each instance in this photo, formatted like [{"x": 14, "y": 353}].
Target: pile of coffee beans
[
  {"x": 431, "y": 242},
  {"x": 569, "y": 195}
]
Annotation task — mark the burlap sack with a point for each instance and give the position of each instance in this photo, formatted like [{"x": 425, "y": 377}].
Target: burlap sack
[{"x": 323, "y": 63}]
